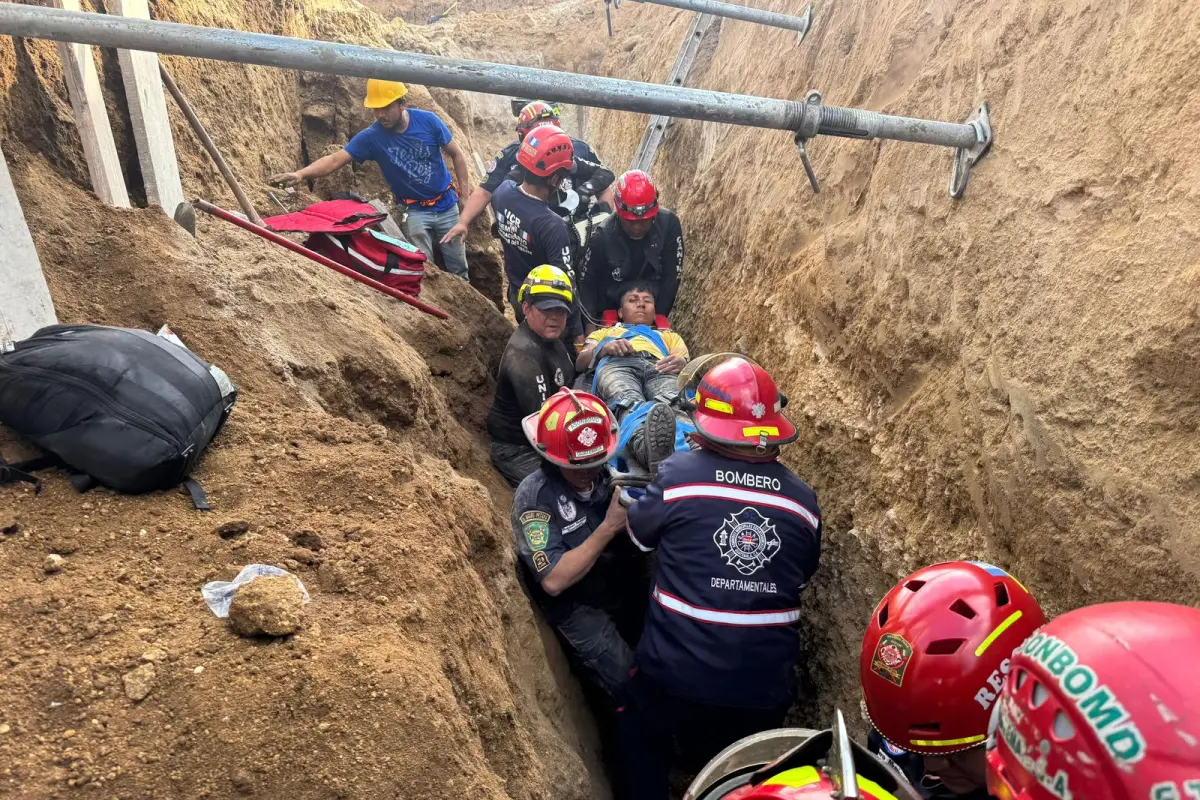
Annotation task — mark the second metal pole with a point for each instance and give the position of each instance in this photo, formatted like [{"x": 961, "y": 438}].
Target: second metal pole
[{"x": 799, "y": 24}]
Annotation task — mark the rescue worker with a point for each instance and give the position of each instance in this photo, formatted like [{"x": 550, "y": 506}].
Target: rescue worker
[
  {"x": 634, "y": 364},
  {"x": 536, "y": 364},
  {"x": 642, "y": 243},
  {"x": 935, "y": 655},
  {"x": 1102, "y": 704},
  {"x": 738, "y": 538},
  {"x": 530, "y": 233},
  {"x": 566, "y": 520},
  {"x": 588, "y": 174},
  {"x": 408, "y": 144}
]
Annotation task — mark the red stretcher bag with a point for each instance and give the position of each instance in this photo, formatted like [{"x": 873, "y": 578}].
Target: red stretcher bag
[{"x": 341, "y": 230}]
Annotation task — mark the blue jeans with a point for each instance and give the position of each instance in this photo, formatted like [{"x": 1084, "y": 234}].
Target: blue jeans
[{"x": 425, "y": 228}]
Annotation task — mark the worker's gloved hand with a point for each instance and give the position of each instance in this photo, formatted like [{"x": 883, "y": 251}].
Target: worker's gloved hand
[
  {"x": 285, "y": 179},
  {"x": 459, "y": 229}
]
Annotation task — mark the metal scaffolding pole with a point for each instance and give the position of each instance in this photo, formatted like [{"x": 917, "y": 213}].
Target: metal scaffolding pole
[
  {"x": 805, "y": 119},
  {"x": 800, "y": 24}
]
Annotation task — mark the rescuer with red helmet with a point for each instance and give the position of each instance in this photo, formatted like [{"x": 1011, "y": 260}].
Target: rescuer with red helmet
[
  {"x": 586, "y": 578},
  {"x": 738, "y": 538},
  {"x": 642, "y": 242},
  {"x": 1103, "y": 703},
  {"x": 530, "y": 233},
  {"x": 935, "y": 656},
  {"x": 588, "y": 175}
]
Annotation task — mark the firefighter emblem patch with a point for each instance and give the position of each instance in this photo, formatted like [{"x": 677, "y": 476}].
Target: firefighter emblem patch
[
  {"x": 891, "y": 658},
  {"x": 747, "y": 541}
]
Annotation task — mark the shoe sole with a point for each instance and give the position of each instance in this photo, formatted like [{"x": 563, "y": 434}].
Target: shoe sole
[{"x": 659, "y": 436}]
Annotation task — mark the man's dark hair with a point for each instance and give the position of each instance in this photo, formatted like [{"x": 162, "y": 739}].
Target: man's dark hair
[{"x": 637, "y": 286}]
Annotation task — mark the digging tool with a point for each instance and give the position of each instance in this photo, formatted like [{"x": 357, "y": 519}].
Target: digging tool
[
  {"x": 271, "y": 236},
  {"x": 209, "y": 145}
]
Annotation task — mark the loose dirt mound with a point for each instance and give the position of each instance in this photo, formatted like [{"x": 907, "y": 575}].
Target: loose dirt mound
[
  {"x": 1012, "y": 377},
  {"x": 353, "y": 459}
]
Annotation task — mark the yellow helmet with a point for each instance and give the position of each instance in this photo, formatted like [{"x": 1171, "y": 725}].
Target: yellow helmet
[
  {"x": 381, "y": 94},
  {"x": 544, "y": 283}
]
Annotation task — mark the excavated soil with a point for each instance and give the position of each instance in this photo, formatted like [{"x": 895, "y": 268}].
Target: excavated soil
[
  {"x": 1012, "y": 377},
  {"x": 354, "y": 459}
]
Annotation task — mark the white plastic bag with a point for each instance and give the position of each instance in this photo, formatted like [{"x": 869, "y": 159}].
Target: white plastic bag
[{"x": 219, "y": 594}]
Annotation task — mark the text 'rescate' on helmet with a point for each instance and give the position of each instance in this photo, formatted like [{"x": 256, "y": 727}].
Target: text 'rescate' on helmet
[
  {"x": 574, "y": 430},
  {"x": 937, "y": 650},
  {"x": 635, "y": 196},
  {"x": 381, "y": 94},
  {"x": 545, "y": 150},
  {"x": 734, "y": 402},
  {"x": 534, "y": 114},
  {"x": 547, "y": 287},
  {"x": 798, "y": 764},
  {"x": 1103, "y": 703}
]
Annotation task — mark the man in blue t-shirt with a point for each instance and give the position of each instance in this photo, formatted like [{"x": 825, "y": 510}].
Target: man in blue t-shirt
[{"x": 408, "y": 145}]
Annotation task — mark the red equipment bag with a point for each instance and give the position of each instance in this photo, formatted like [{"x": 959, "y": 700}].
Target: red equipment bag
[
  {"x": 611, "y": 318},
  {"x": 341, "y": 230}
]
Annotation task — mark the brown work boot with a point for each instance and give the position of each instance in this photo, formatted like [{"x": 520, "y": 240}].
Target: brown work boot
[{"x": 653, "y": 441}]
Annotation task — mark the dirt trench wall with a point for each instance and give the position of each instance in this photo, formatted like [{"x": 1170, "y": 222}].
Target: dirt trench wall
[
  {"x": 1013, "y": 377},
  {"x": 353, "y": 459}
]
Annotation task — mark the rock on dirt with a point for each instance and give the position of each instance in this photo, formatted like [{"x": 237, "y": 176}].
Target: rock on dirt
[
  {"x": 232, "y": 530},
  {"x": 140, "y": 682},
  {"x": 54, "y": 563},
  {"x": 268, "y": 606}
]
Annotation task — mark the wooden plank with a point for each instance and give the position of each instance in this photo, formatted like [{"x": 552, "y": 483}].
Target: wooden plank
[
  {"x": 25, "y": 303},
  {"x": 148, "y": 112},
  {"x": 91, "y": 118}
]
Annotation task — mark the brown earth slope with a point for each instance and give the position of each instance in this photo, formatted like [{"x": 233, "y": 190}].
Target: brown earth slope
[
  {"x": 1013, "y": 377},
  {"x": 353, "y": 459}
]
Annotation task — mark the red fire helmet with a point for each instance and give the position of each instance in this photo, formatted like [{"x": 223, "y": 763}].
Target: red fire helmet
[
  {"x": 738, "y": 404},
  {"x": 1103, "y": 703},
  {"x": 937, "y": 650},
  {"x": 635, "y": 196},
  {"x": 546, "y": 150},
  {"x": 534, "y": 114},
  {"x": 574, "y": 430}
]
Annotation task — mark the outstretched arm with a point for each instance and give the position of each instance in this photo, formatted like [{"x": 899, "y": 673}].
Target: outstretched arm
[{"x": 318, "y": 169}]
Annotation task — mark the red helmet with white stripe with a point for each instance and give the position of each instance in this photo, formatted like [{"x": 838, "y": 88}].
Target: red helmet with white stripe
[
  {"x": 574, "y": 430},
  {"x": 738, "y": 404},
  {"x": 1102, "y": 703},
  {"x": 936, "y": 652},
  {"x": 536, "y": 113},
  {"x": 636, "y": 196}
]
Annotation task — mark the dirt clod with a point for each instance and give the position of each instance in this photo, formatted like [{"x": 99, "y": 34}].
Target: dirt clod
[
  {"x": 139, "y": 682},
  {"x": 232, "y": 530},
  {"x": 54, "y": 563},
  {"x": 268, "y": 606}
]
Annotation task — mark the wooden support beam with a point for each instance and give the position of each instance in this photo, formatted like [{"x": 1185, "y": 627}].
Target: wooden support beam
[
  {"x": 148, "y": 112},
  {"x": 25, "y": 303},
  {"x": 91, "y": 119}
]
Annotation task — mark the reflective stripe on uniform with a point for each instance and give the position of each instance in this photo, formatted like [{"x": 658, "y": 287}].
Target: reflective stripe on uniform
[
  {"x": 369, "y": 263},
  {"x": 635, "y": 541},
  {"x": 718, "y": 491},
  {"x": 739, "y": 619}
]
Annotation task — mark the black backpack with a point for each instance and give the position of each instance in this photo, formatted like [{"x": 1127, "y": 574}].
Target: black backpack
[{"x": 123, "y": 408}]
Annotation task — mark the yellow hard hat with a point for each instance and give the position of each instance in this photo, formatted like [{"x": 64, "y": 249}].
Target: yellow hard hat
[
  {"x": 546, "y": 282},
  {"x": 381, "y": 94}
]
